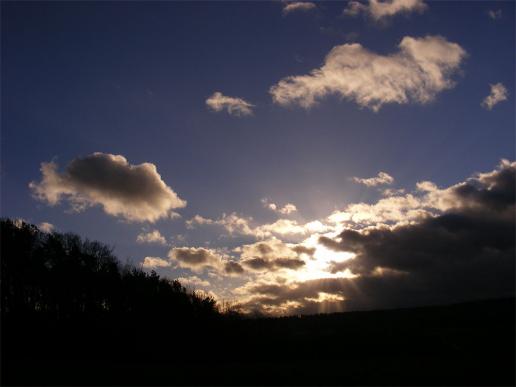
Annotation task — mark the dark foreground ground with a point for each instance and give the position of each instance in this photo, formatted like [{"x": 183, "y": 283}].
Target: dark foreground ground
[{"x": 465, "y": 344}]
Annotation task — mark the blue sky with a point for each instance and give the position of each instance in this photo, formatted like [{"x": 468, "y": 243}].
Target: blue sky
[{"x": 132, "y": 79}]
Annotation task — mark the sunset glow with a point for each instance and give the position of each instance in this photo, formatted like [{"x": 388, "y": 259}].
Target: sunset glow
[{"x": 346, "y": 156}]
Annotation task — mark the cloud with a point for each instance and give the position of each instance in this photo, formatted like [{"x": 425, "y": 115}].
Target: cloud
[
  {"x": 233, "y": 267},
  {"x": 280, "y": 227},
  {"x": 198, "y": 220},
  {"x": 151, "y": 237},
  {"x": 193, "y": 281},
  {"x": 494, "y": 14},
  {"x": 233, "y": 105},
  {"x": 392, "y": 191},
  {"x": 285, "y": 210},
  {"x": 429, "y": 245},
  {"x": 300, "y": 249},
  {"x": 464, "y": 251},
  {"x": 133, "y": 192},
  {"x": 392, "y": 209},
  {"x": 235, "y": 224},
  {"x": 154, "y": 262},
  {"x": 471, "y": 242},
  {"x": 380, "y": 179},
  {"x": 194, "y": 257},
  {"x": 298, "y": 6},
  {"x": 498, "y": 94},
  {"x": 46, "y": 227},
  {"x": 200, "y": 258},
  {"x": 378, "y": 10},
  {"x": 272, "y": 255},
  {"x": 417, "y": 72}
]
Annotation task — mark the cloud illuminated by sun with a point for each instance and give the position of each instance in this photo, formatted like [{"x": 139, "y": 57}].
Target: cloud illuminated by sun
[{"x": 317, "y": 266}]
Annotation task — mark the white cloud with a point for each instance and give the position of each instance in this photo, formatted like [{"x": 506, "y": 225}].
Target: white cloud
[
  {"x": 198, "y": 219},
  {"x": 285, "y": 210},
  {"x": 426, "y": 186},
  {"x": 154, "y": 262},
  {"x": 393, "y": 191},
  {"x": 417, "y": 72},
  {"x": 46, "y": 227},
  {"x": 133, "y": 192},
  {"x": 498, "y": 94},
  {"x": 380, "y": 179},
  {"x": 233, "y": 223},
  {"x": 383, "y": 9},
  {"x": 324, "y": 272},
  {"x": 394, "y": 209},
  {"x": 151, "y": 237},
  {"x": 495, "y": 14},
  {"x": 280, "y": 227},
  {"x": 298, "y": 6},
  {"x": 193, "y": 281},
  {"x": 428, "y": 201},
  {"x": 233, "y": 105},
  {"x": 238, "y": 225}
]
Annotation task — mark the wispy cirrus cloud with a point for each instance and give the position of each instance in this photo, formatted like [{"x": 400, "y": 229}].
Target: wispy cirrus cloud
[
  {"x": 235, "y": 224},
  {"x": 381, "y": 179},
  {"x": 297, "y": 6},
  {"x": 378, "y": 10},
  {"x": 133, "y": 192},
  {"x": 232, "y": 105},
  {"x": 494, "y": 14},
  {"x": 417, "y": 72},
  {"x": 498, "y": 94}
]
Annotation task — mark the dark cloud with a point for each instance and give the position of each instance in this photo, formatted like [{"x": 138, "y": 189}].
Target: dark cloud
[
  {"x": 465, "y": 253},
  {"x": 272, "y": 255},
  {"x": 490, "y": 192},
  {"x": 195, "y": 258},
  {"x": 256, "y": 263},
  {"x": 233, "y": 267},
  {"x": 199, "y": 258},
  {"x": 134, "y": 192},
  {"x": 191, "y": 255},
  {"x": 300, "y": 249},
  {"x": 273, "y": 264},
  {"x": 289, "y": 263}
]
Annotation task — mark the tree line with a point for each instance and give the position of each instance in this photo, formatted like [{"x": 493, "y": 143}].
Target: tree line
[
  {"x": 63, "y": 276},
  {"x": 73, "y": 314}
]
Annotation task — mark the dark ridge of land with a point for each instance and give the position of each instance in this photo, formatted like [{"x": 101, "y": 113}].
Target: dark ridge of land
[{"x": 64, "y": 323}]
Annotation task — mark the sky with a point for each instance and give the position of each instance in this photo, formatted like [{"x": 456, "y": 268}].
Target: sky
[{"x": 287, "y": 157}]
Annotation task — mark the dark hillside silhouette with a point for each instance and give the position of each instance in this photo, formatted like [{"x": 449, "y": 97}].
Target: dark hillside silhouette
[{"x": 72, "y": 314}]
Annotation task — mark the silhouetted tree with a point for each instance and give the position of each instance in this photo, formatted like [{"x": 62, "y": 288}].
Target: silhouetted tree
[{"x": 63, "y": 276}]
